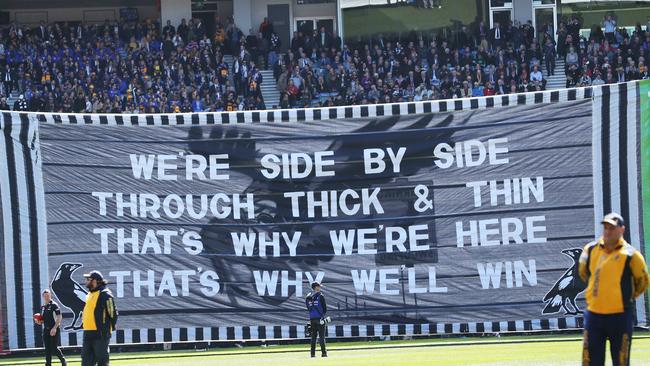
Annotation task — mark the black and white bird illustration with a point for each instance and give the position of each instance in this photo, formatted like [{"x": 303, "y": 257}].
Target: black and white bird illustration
[
  {"x": 69, "y": 292},
  {"x": 566, "y": 289}
]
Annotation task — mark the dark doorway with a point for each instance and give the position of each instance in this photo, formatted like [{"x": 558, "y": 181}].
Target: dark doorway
[
  {"x": 207, "y": 18},
  {"x": 327, "y": 23},
  {"x": 279, "y": 16}
]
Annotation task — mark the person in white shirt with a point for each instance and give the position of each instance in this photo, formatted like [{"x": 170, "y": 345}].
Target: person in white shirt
[
  {"x": 598, "y": 80},
  {"x": 536, "y": 75}
]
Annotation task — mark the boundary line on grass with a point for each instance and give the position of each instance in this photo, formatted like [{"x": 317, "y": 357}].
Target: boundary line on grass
[{"x": 337, "y": 349}]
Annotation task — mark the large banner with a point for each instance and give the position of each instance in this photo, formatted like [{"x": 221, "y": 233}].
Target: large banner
[{"x": 460, "y": 216}]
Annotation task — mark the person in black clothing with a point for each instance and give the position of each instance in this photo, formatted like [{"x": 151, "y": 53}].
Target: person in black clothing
[
  {"x": 3, "y": 104},
  {"x": 183, "y": 30},
  {"x": 51, "y": 321},
  {"x": 99, "y": 321},
  {"x": 317, "y": 311}
]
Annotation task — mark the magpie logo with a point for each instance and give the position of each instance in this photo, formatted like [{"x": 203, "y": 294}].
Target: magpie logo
[
  {"x": 70, "y": 293},
  {"x": 563, "y": 294}
]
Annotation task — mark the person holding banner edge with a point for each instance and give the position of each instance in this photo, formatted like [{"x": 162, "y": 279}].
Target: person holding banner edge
[
  {"x": 99, "y": 321},
  {"x": 317, "y": 308},
  {"x": 616, "y": 274}
]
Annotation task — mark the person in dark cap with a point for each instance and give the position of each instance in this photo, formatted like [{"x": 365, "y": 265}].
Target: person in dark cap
[
  {"x": 317, "y": 312},
  {"x": 99, "y": 320},
  {"x": 616, "y": 274}
]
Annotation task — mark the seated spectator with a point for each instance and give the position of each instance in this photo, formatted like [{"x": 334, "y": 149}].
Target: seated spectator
[
  {"x": 477, "y": 90},
  {"x": 489, "y": 89},
  {"x": 536, "y": 75},
  {"x": 643, "y": 74},
  {"x": 585, "y": 80},
  {"x": 3, "y": 104},
  {"x": 572, "y": 58}
]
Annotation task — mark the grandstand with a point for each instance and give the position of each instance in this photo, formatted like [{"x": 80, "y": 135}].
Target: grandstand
[{"x": 149, "y": 65}]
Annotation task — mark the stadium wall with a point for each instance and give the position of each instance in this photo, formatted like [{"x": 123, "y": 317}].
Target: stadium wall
[
  {"x": 314, "y": 10},
  {"x": 586, "y": 142},
  {"x": 175, "y": 11},
  {"x": 29, "y": 16}
]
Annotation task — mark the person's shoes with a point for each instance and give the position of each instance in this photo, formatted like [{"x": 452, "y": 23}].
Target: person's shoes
[
  {"x": 324, "y": 355},
  {"x": 313, "y": 355}
]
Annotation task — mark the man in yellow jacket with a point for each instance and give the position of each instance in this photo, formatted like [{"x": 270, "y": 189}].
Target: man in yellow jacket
[
  {"x": 616, "y": 274},
  {"x": 99, "y": 320}
]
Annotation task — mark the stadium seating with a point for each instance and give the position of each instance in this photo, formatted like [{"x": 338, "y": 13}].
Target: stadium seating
[{"x": 142, "y": 67}]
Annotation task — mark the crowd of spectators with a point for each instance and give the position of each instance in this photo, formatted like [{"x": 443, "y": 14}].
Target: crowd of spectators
[
  {"x": 610, "y": 54},
  {"x": 143, "y": 67},
  {"x": 128, "y": 67},
  {"x": 478, "y": 61}
]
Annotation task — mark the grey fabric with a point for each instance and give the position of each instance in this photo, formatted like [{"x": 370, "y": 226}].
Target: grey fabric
[{"x": 549, "y": 141}]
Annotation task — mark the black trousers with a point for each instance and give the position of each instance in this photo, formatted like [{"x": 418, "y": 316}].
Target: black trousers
[
  {"x": 317, "y": 330},
  {"x": 617, "y": 328},
  {"x": 9, "y": 87},
  {"x": 51, "y": 344},
  {"x": 95, "y": 349},
  {"x": 550, "y": 66}
]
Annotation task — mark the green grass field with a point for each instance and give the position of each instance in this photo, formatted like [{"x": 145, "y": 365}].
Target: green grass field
[{"x": 507, "y": 351}]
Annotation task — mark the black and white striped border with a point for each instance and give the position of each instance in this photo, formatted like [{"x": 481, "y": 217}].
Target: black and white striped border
[
  {"x": 616, "y": 169},
  {"x": 24, "y": 227},
  {"x": 316, "y": 114},
  {"x": 615, "y": 188},
  {"x": 288, "y": 332}
]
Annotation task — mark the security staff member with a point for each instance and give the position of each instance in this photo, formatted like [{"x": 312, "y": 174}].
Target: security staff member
[
  {"x": 317, "y": 310},
  {"x": 51, "y": 322},
  {"x": 616, "y": 274},
  {"x": 99, "y": 320}
]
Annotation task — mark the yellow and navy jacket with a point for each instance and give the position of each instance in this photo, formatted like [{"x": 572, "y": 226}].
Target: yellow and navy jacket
[
  {"x": 100, "y": 313},
  {"x": 614, "y": 279}
]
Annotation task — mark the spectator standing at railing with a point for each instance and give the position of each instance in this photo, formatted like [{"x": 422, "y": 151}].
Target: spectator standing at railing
[
  {"x": 573, "y": 29},
  {"x": 497, "y": 35},
  {"x": 266, "y": 29},
  {"x": 481, "y": 30},
  {"x": 8, "y": 77},
  {"x": 168, "y": 30},
  {"x": 609, "y": 24}
]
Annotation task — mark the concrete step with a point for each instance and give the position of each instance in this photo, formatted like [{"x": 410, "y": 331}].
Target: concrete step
[
  {"x": 558, "y": 80},
  {"x": 269, "y": 89}
]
